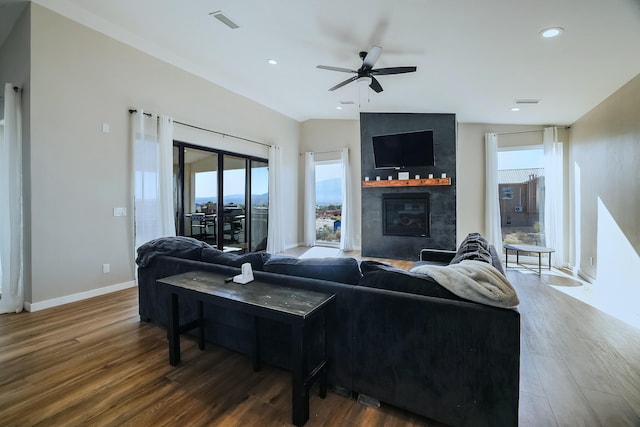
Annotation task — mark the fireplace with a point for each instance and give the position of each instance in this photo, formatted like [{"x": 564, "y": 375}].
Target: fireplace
[{"x": 406, "y": 214}]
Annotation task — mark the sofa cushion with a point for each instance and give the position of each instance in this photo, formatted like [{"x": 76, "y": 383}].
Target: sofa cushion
[
  {"x": 381, "y": 276},
  {"x": 216, "y": 256},
  {"x": 341, "y": 270},
  {"x": 367, "y": 266},
  {"x": 177, "y": 246},
  {"x": 473, "y": 247}
]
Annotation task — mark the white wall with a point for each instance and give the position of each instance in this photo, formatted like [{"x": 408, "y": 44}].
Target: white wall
[
  {"x": 327, "y": 137},
  {"x": 605, "y": 162},
  {"x": 81, "y": 79}
]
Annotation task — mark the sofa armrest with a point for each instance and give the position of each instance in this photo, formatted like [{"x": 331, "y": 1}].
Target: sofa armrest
[
  {"x": 453, "y": 361},
  {"x": 440, "y": 256}
]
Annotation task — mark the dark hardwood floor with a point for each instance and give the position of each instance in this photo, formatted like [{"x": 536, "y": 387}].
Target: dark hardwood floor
[{"x": 94, "y": 363}]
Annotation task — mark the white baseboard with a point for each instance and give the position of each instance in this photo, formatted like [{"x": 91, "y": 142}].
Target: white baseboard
[{"x": 54, "y": 302}]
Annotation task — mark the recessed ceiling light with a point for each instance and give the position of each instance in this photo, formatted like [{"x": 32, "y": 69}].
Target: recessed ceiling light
[
  {"x": 272, "y": 61},
  {"x": 338, "y": 108},
  {"x": 515, "y": 109},
  {"x": 551, "y": 32}
]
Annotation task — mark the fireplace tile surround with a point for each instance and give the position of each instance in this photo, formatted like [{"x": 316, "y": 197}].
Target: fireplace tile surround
[{"x": 441, "y": 198}]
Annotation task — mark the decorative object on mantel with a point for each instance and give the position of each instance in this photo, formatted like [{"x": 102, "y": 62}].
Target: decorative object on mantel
[
  {"x": 444, "y": 175},
  {"x": 408, "y": 182},
  {"x": 404, "y": 175},
  {"x": 430, "y": 176}
]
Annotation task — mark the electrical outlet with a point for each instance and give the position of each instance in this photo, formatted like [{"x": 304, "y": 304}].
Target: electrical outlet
[
  {"x": 106, "y": 268},
  {"x": 590, "y": 260}
]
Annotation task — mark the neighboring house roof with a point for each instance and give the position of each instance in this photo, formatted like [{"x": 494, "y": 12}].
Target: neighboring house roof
[{"x": 518, "y": 176}]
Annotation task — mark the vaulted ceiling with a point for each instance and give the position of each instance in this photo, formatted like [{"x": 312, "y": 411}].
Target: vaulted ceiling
[{"x": 474, "y": 58}]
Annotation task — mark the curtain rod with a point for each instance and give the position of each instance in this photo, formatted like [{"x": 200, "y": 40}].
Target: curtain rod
[
  {"x": 530, "y": 131},
  {"x": 321, "y": 152},
  {"x": 209, "y": 130}
]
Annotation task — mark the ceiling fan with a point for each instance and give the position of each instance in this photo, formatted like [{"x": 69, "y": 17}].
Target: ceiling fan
[{"x": 366, "y": 71}]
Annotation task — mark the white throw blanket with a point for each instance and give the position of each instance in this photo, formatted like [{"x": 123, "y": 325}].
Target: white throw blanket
[{"x": 473, "y": 280}]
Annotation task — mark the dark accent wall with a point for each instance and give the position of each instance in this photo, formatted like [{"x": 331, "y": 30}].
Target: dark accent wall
[{"x": 442, "y": 198}]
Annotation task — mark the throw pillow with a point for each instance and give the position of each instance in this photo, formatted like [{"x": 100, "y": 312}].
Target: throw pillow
[{"x": 473, "y": 247}]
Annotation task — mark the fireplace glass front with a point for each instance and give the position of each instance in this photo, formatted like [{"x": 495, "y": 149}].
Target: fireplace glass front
[{"x": 406, "y": 215}]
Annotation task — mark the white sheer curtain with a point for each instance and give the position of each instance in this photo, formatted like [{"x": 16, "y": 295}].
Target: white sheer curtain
[
  {"x": 11, "y": 221},
  {"x": 347, "y": 232},
  {"x": 553, "y": 195},
  {"x": 152, "y": 141},
  {"x": 275, "y": 231},
  {"x": 492, "y": 207},
  {"x": 309, "y": 199}
]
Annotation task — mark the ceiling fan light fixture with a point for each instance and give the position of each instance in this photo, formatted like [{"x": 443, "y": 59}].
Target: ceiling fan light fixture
[{"x": 364, "y": 80}]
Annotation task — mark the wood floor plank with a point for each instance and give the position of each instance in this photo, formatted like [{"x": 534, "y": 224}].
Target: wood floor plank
[
  {"x": 567, "y": 402},
  {"x": 611, "y": 409},
  {"x": 535, "y": 411}
]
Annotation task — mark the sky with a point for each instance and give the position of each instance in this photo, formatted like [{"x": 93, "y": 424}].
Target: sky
[
  {"x": 521, "y": 159},
  {"x": 234, "y": 182},
  {"x": 326, "y": 171}
]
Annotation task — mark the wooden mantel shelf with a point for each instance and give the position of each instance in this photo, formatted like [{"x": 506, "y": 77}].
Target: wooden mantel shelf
[{"x": 407, "y": 182}]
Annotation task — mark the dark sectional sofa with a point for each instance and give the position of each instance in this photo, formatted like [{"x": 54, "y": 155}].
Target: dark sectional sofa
[{"x": 393, "y": 336}]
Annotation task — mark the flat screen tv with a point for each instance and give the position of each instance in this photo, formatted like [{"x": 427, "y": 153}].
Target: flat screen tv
[{"x": 403, "y": 150}]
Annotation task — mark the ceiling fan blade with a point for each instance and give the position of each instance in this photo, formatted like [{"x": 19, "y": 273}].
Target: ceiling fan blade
[
  {"x": 375, "y": 85},
  {"x": 339, "y": 85},
  {"x": 342, "y": 70},
  {"x": 393, "y": 70},
  {"x": 372, "y": 56}
]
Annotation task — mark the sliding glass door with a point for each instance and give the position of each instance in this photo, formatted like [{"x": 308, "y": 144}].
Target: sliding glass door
[
  {"x": 196, "y": 199},
  {"x": 259, "y": 173},
  {"x": 234, "y": 197},
  {"x": 214, "y": 201}
]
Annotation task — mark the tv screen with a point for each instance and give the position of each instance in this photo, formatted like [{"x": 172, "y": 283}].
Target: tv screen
[{"x": 403, "y": 150}]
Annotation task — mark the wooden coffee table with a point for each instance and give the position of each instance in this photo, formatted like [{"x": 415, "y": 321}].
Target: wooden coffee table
[
  {"x": 529, "y": 249},
  {"x": 295, "y": 307}
]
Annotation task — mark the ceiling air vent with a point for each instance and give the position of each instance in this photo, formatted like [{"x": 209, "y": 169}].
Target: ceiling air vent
[
  {"x": 527, "y": 101},
  {"x": 224, "y": 19}
]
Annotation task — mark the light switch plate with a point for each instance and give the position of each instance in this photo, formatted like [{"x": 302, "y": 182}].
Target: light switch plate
[{"x": 119, "y": 211}]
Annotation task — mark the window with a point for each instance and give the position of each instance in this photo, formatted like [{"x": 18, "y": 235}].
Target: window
[{"x": 521, "y": 186}]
